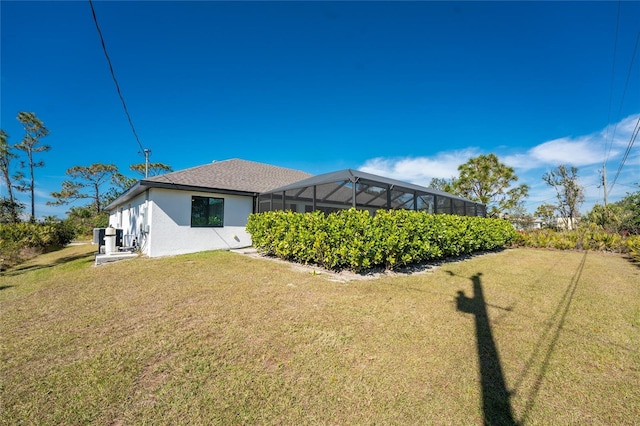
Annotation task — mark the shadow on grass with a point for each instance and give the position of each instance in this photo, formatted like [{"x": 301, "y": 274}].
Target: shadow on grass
[
  {"x": 18, "y": 270},
  {"x": 556, "y": 321},
  {"x": 4, "y": 287},
  {"x": 496, "y": 399},
  {"x": 634, "y": 260}
]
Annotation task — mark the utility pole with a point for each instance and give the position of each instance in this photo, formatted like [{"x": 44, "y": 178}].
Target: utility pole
[
  {"x": 604, "y": 182},
  {"x": 147, "y": 152}
]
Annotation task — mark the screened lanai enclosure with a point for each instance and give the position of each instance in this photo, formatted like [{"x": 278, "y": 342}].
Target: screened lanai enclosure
[{"x": 364, "y": 191}]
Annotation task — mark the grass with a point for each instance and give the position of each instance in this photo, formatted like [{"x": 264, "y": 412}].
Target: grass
[{"x": 522, "y": 336}]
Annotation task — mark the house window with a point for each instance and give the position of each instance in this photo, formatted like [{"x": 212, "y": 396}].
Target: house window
[{"x": 207, "y": 211}]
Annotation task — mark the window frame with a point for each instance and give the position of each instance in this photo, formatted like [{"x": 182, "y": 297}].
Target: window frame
[{"x": 208, "y": 217}]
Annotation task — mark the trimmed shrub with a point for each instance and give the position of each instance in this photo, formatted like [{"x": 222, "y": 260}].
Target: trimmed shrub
[{"x": 356, "y": 240}]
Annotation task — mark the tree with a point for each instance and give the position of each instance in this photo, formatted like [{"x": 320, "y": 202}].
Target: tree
[
  {"x": 155, "y": 169},
  {"x": 520, "y": 218},
  {"x": 620, "y": 217},
  {"x": 10, "y": 211},
  {"x": 441, "y": 184},
  {"x": 547, "y": 214},
  {"x": 570, "y": 195},
  {"x": 86, "y": 183},
  {"x": 486, "y": 180},
  {"x": 120, "y": 184},
  {"x": 609, "y": 217},
  {"x": 82, "y": 219},
  {"x": 631, "y": 204},
  {"x": 34, "y": 131},
  {"x": 10, "y": 208}
]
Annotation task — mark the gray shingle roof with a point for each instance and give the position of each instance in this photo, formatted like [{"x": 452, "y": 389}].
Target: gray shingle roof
[
  {"x": 233, "y": 175},
  {"x": 228, "y": 176}
]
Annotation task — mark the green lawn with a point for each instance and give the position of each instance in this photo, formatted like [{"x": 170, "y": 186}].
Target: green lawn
[{"x": 521, "y": 336}]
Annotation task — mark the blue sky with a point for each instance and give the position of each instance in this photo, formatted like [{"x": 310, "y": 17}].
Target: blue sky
[{"x": 408, "y": 90}]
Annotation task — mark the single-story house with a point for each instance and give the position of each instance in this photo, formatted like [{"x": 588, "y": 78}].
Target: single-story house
[
  {"x": 196, "y": 209},
  {"x": 207, "y": 207}
]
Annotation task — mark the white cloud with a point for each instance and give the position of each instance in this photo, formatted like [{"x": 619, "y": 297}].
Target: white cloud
[
  {"x": 621, "y": 133},
  {"x": 586, "y": 152},
  {"x": 420, "y": 170},
  {"x": 578, "y": 151},
  {"x": 520, "y": 161},
  {"x": 575, "y": 152}
]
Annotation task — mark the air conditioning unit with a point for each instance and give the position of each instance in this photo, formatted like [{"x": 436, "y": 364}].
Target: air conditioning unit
[
  {"x": 96, "y": 235},
  {"x": 98, "y": 238}
]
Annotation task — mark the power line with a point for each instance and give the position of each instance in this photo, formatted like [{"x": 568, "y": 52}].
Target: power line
[
  {"x": 629, "y": 185},
  {"x": 624, "y": 92},
  {"x": 613, "y": 69},
  {"x": 634, "y": 135},
  {"x": 113, "y": 75}
]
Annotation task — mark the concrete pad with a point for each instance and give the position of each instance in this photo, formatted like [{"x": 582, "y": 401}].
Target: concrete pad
[
  {"x": 244, "y": 250},
  {"x": 106, "y": 258}
]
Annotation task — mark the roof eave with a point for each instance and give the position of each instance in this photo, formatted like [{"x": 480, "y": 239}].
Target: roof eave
[
  {"x": 126, "y": 196},
  {"x": 183, "y": 187},
  {"x": 142, "y": 185}
]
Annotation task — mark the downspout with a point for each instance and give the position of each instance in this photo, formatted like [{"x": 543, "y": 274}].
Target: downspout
[
  {"x": 354, "y": 181},
  {"x": 144, "y": 227},
  {"x": 314, "y": 198}
]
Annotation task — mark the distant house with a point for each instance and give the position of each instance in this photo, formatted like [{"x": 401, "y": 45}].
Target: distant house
[
  {"x": 567, "y": 223},
  {"x": 207, "y": 207}
]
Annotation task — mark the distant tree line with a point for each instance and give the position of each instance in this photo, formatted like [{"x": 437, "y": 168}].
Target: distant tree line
[{"x": 98, "y": 184}]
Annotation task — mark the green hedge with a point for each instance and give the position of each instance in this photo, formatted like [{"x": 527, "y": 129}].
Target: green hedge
[{"x": 356, "y": 240}]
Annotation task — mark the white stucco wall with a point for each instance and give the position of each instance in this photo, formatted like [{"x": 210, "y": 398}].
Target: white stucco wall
[
  {"x": 160, "y": 220},
  {"x": 132, "y": 218}
]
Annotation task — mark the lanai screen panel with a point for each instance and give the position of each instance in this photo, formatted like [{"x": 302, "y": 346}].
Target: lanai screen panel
[
  {"x": 426, "y": 202},
  {"x": 270, "y": 201},
  {"x": 302, "y": 195},
  {"x": 334, "y": 196},
  {"x": 264, "y": 203},
  {"x": 402, "y": 199},
  {"x": 340, "y": 193},
  {"x": 371, "y": 195},
  {"x": 300, "y": 199},
  {"x": 277, "y": 202},
  {"x": 458, "y": 207},
  {"x": 443, "y": 204}
]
